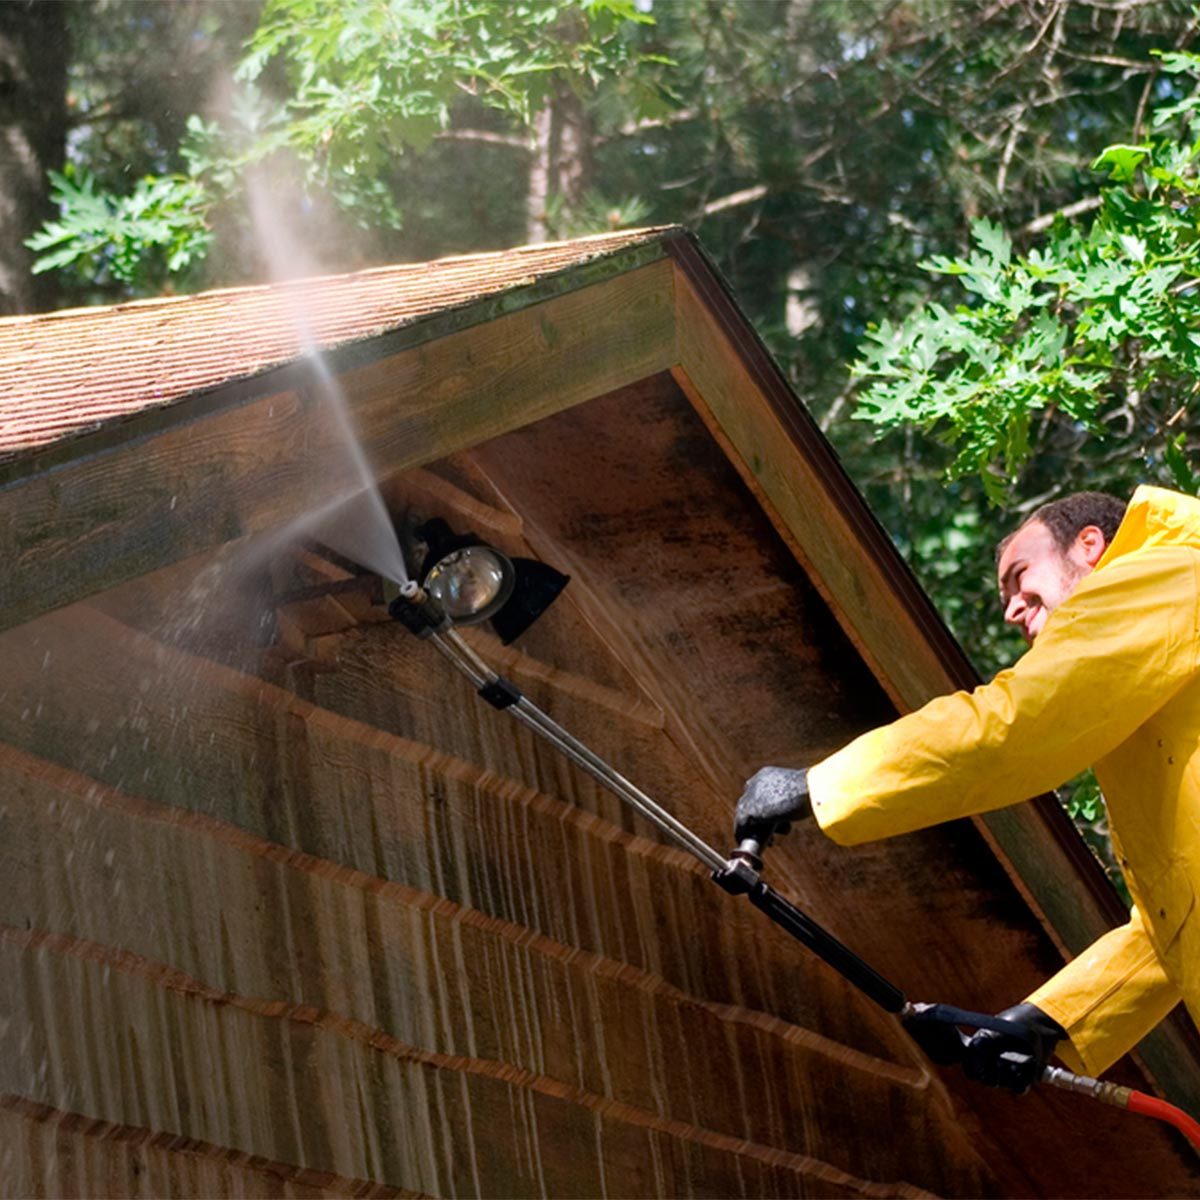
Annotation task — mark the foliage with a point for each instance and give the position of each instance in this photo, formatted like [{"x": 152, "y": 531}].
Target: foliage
[
  {"x": 157, "y": 230},
  {"x": 1093, "y": 319},
  {"x": 844, "y": 140},
  {"x": 132, "y": 64},
  {"x": 364, "y": 84},
  {"x": 389, "y": 74},
  {"x": 1083, "y": 800}
]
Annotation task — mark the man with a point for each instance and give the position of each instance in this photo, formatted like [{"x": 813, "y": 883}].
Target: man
[{"x": 1109, "y": 600}]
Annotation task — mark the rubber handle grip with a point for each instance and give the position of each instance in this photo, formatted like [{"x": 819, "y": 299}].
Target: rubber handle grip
[{"x": 825, "y": 946}]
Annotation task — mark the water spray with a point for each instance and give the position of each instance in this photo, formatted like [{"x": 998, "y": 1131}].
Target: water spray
[{"x": 474, "y": 583}]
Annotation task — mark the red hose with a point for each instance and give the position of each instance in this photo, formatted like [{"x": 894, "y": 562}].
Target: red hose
[{"x": 1160, "y": 1110}]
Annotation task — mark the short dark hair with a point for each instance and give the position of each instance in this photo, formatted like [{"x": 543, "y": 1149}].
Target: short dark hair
[{"x": 1065, "y": 518}]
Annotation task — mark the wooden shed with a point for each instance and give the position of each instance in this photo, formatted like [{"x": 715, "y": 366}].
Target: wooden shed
[{"x": 287, "y": 910}]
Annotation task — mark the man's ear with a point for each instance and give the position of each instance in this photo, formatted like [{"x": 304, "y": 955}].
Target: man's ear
[{"x": 1091, "y": 544}]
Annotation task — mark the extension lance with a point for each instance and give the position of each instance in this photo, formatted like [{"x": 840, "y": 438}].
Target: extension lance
[{"x": 938, "y": 1028}]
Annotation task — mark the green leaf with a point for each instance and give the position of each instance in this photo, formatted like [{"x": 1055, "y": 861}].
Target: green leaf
[
  {"x": 1121, "y": 160},
  {"x": 1175, "y": 457},
  {"x": 993, "y": 241},
  {"x": 1175, "y": 61},
  {"x": 1135, "y": 247}
]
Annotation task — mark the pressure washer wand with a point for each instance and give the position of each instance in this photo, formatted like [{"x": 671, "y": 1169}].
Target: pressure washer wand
[
  {"x": 500, "y": 693},
  {"x": 738, "y": 874},
  {"x": 937, "y": 1027},
  {"x": 739, "y": 877}
]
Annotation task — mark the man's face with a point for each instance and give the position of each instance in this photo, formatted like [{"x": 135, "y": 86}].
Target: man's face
[{"x": 1036, "y": 576}]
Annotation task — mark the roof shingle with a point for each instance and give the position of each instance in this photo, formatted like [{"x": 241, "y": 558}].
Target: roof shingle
[{"x": 66, "y": 373}]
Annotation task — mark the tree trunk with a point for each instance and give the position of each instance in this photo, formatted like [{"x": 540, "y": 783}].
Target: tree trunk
[
  {"x": 572, "y": 149},
  {"x": 538, "y": 195},
  {"x": 33, "y": 124},
  {"x": 561, "y": 168}
]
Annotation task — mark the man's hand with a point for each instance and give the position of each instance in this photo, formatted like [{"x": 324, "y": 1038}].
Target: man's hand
[
  {"x": 773, "y": 799},
  {"x": 1013, "y": 1061}
]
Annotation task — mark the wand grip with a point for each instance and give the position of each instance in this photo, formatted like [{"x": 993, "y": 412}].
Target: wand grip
[{"x": 840, "y": 957}]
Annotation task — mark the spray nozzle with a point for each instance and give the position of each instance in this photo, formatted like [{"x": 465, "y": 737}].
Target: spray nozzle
[{"x": 418, "y": 611}]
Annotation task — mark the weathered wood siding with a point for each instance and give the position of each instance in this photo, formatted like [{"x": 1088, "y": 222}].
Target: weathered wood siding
[{"x": 315, "y": 921}]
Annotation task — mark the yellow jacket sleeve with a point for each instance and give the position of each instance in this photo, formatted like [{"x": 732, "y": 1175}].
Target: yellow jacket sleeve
[
  {"x": 1108, "y": 998},
  {"x": 1107, "y": 659}
]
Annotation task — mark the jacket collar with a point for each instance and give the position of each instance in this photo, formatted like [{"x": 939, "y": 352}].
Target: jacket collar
[{"x": 1155, "y": 517}]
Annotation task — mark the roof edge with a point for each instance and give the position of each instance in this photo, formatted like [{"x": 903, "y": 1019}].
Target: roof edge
[
  {"x": 344, "y": 356},
  {"x": 638, "y": 236}
]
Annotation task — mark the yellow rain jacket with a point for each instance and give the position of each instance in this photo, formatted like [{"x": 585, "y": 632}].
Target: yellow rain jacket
[{"x": 1112, "y": 682}]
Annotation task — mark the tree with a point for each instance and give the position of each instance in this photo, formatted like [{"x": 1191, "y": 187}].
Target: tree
[
  {"x": 340, "y": 99},
  {"x": 1099, "y": 319},
  {"x": 33, "y": 128},
  {"x": 1074, "y": 362},
  {"x": 807, "y": 140}
]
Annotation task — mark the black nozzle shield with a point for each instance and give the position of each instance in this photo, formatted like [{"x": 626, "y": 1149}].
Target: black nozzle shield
[{"x": 536, "y": 587}]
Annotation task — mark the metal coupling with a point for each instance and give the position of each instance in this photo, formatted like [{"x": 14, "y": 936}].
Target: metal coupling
[
  {"x": 1098, "y": 1089},
  {"x": 739, "y": 875}
]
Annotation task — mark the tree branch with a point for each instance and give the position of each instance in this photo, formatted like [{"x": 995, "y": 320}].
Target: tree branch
[
  {"x": 633, "y": 128},
  {"x": 1144, "y": 99},
  {"x": 486, "y": 135},
  {"x": 1056, "y": 10},
  {"x": 835, "y": 409},
  {"x": 1112, "y": 60},
  {"x": 1042, "y": 223},
  {"x": 735, "y": 200},
  {"x": 1010, "y": 148}
]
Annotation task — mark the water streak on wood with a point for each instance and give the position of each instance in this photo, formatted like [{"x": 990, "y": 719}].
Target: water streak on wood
[
  {"x": 94, "y": 795},
  {"x": 378, "y": 1040},
  {"x": 153, "y": 1166}
]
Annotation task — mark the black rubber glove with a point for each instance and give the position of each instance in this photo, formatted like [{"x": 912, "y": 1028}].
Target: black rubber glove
[
  {"x": 773, "y": 799},
  {"x": 1009, "y": 1061},
  {"x": 938, "y": 1036}
]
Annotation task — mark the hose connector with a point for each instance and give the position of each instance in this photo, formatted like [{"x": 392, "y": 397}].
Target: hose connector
[{"x": 1098, "y": 1089}]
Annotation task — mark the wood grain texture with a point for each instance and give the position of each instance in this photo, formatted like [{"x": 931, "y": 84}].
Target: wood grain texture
[
  {"x": 98, "y": 520},
  {"x": 129, "y": 712},
  {"x": 47, "y": 1152},
  {"x": 820, "y": 531},
  {"x": 585, "y": 1031}
]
